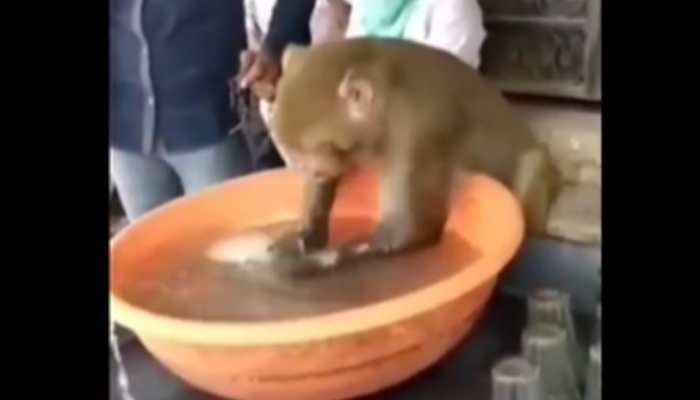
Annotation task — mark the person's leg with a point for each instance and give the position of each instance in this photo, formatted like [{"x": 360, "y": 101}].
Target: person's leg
[
  {"x": 204, "y": 167},
  {"x": 270, "y": 158},
  {"x": 262, "y": 150},
  {"x": 143, "y": 182}
]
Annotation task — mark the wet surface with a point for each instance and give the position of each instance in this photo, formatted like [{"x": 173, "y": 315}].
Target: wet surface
[
  {"x": 183, "y": 282},
  {"x": 463, "y": 374}
]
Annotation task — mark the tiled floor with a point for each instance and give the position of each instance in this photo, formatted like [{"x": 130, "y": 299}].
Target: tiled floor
[{"x": 464, "y": 374}]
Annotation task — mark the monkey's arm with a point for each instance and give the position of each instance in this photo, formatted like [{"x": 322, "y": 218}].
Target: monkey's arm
[
  {"x": 534, "y": 184},
  {"x": 414, "y": 208},
  {"x": 319, "y": 195}
]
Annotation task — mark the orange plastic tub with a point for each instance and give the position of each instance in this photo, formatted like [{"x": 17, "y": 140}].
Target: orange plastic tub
[{"x": 352, "y": 351}]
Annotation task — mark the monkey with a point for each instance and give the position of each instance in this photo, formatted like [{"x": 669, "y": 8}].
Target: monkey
[{"x": 417, "y": 113}]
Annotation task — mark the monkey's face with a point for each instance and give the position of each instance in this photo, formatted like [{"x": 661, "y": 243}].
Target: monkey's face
[
  {"x": 329, "y": 109},
  {"x": 322, "y": 162}
]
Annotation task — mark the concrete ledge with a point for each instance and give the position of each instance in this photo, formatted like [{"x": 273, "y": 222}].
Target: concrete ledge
[
  {"x": 571, "y": 133},
  {"x": 581, "y": 173},
  {"x": 576, "y": 214}
]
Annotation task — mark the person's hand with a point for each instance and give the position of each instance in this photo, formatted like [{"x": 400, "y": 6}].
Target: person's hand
[
  {"x": 329, "y": 21},
  {"x": 259, "y": 72}
]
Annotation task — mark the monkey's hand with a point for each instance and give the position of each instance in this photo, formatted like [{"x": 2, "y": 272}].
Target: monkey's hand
[
  {"x": 312, "y": 263},
  {"x": 289, "y": 267},
  {"x": 392, "y": 236},
  {"x": 299, "y": 242},
  {"x": 306, "y": 240},
  {"x": 290, "y": 244},
  {"x": 292, "y": 260}
]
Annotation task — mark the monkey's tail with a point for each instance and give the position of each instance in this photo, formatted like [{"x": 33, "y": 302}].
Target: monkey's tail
[{"x": 535, "y": 184}]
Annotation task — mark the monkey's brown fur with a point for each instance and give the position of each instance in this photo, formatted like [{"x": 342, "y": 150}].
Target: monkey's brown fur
[{"x": 417, "y": 111}]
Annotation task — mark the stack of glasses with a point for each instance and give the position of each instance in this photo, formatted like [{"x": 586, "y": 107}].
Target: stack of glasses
[{"x": 552, "y": 365}]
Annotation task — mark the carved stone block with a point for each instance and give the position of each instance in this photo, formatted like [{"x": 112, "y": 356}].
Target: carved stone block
[
  {"x": 572, "y": 134},
  {"x": 544, "y": 47},
  {"x": 535, "y": 53},
  {"x": 590, "y": 174},
  {"x": 576, "y": 214},
  {"x": 581, "y": 173},
  {"x": 535, "y": 8}
]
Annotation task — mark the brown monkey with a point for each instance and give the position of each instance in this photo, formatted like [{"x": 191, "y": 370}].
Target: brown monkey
[{"x": 416, "y": 111}]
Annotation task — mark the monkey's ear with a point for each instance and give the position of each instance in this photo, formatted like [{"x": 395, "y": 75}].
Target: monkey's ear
[
  {"x": 293, "y": 54},
  {"x": 358, "y": 91}
]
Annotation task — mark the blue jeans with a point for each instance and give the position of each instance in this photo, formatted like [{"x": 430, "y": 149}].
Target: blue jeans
[{"x": 148, "y": 181}]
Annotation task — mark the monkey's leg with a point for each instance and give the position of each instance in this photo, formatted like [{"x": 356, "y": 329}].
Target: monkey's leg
[
  {"x": 534, "y": 184},
  {"x": 414, "y": 202}
]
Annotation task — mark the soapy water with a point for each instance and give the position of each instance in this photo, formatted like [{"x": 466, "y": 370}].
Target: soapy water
[
  {"x": 187, "y": 282},
  {"x": 220, "y": 278},
  {"x": 122, "y": 377}
]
